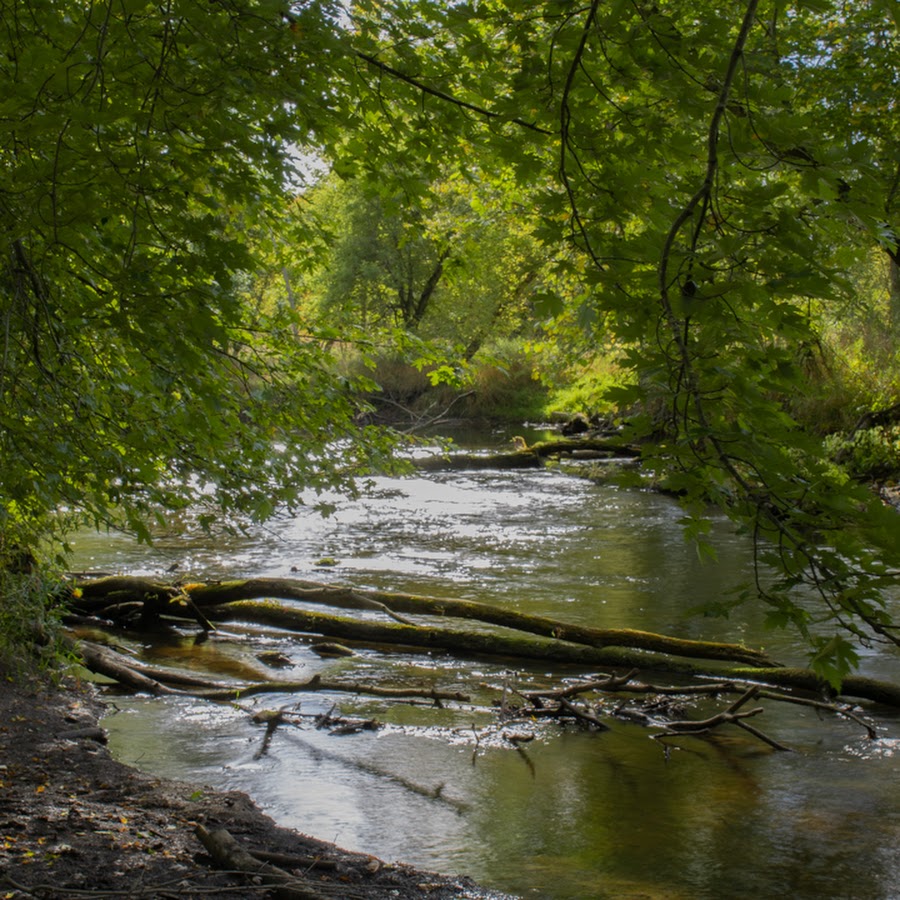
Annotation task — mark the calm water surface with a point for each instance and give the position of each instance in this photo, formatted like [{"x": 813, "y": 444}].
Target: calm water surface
[{"x": 575, "y": 815}]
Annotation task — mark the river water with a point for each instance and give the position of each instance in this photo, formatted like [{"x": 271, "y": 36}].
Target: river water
[{"x": 574, "y": 814}]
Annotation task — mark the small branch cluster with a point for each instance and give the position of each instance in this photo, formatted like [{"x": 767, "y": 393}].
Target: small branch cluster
[{"x": 663, "y": 707}]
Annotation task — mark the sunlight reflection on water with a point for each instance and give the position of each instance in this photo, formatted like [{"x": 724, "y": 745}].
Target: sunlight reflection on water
[{"x": 575, "y": 815}]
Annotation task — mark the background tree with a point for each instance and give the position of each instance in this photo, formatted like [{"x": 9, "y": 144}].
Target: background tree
[
  {"x": 454, "y": 267},
  {"x": 708, "y": 174}
]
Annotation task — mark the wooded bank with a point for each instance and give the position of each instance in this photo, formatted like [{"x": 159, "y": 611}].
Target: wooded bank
[{"x": 134, "y": 602}]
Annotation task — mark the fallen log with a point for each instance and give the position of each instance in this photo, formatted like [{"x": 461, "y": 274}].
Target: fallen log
[
  {"x": 612, "y": 446},
  {"x": 464, "y": 462},
  {"x": 805, "y": 679},
  {"x": 530, "y": 457},
  {"x": 393, "y": 604},
  {"x": 478, "y": 643},
  {"x": 145, "y": 678},
  {"x": 558, "y": 641},
  {"x": 115, "y": 666},
  {"x": 545, "y": 650}
]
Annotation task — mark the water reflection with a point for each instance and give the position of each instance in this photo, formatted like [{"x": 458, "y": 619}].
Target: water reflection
[{"x": 585, "y": 815}]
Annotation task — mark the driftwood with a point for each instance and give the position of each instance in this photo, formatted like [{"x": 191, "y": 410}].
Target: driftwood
[
  {"x": 628, "y": 683},
  {"x": 731, "y": 715},
  {"x": 657, "y": 712}
]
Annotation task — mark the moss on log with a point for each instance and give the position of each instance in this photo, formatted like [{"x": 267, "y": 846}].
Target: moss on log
[
  {"x": 391, "y": 603},
  {"x": 351, "y": 598},
  {"x": 516, "y": 459},
  {"x": 477, "y": 643},
  {"x": 806, "y": 680}
]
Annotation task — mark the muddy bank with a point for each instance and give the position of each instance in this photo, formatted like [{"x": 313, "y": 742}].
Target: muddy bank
[{"x": 73, "y": 819}]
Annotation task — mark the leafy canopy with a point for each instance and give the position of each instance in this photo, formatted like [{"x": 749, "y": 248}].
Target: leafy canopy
[
  {"x": 720, "y": 168},
  {"x": 146, "y": 153}
]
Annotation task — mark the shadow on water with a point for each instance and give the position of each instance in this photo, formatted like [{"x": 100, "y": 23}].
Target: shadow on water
[{"x": 574, "y": 814}]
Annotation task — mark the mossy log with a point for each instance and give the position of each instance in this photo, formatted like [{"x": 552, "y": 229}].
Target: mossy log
[
  {"x": 559, "y": 642},
  {"x": 470, "y": 643},
  {"x": 455, "y": 462},
  {"x": 573, "y": 446},
  {"x": 518, "y": 646},
  {"x": 806, "y": 680},
  {"x": 204, "y": 596},
  {"x": 531, "y": 457}
]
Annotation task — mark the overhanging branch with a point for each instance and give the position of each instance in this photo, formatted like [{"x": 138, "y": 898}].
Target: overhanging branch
[{"x": 444, "y": 96}]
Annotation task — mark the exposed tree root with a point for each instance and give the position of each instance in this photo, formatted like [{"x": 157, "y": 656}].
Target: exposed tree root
[{"x": 228, "y": 854}]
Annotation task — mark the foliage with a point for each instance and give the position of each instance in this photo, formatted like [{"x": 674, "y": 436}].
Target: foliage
[
  {"x": 454, "y": 266},
  {"x": 145, "y": 152},
  {"x": 872, "y": 453},
  {"x": 691, "y": 184},
  {"x": 31, "y": 641},
  {"x": 719, "y": 176}
]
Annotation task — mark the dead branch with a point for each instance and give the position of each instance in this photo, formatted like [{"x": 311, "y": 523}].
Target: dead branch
[
  {"x": 581, "y": 715},
  {"x": 134, "y": 674},
  {"x": 317, "y": 683},
  {"x": 436, "y": 793}
]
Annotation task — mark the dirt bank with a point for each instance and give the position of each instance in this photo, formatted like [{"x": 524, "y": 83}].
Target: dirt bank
[{"x": 72, "y": 820}]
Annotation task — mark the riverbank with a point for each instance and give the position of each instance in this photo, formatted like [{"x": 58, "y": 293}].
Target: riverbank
[{"x": 73, "y": 819}]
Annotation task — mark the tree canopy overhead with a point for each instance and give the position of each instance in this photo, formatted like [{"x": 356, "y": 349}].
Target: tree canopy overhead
[
  {"x": 147, "y": 150},
  {"x": 707, "y": 172},
  {"x": 719, "y": 167}
]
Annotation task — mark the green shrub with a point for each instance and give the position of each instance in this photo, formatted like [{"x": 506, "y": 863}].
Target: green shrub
[
  {"x": 31, "y": 635},
  {"x": 582, "y": 388},
  {"x": 872, "y": 453}
]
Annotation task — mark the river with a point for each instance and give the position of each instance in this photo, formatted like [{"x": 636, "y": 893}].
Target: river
[{"x": 574, "y": 814}]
